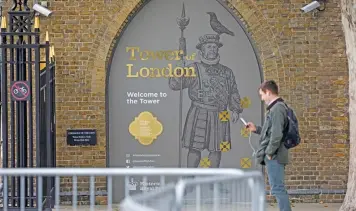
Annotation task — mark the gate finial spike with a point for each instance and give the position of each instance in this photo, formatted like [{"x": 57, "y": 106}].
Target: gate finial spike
[
  {"x": 53, "y": 50},
  {"x": 3, "y": 22},
  {"x": 47, "y": 37},
  {"x": 50, "y": 52},
  {"x": 37, "y": 22}
]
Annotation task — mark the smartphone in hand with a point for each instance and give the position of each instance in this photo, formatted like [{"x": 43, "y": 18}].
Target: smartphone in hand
[{"x": 243, "y": 121}]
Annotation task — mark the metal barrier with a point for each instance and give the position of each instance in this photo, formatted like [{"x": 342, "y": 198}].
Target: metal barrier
[
  {"x": 1, "y": 185},
  {"x": 175, "y": 197},
  {"x": 246, "y": 189}
]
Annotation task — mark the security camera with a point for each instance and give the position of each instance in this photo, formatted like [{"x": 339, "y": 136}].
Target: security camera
[
  {"x": 310, "y": 7},
  {"x": 41, "y": 9}
]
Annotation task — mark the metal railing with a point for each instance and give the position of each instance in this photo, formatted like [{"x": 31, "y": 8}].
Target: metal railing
[
  {"x": 172, "y": 197},
  {"x": 1, "y": 184},
  {"x": 246, "y": 188}
]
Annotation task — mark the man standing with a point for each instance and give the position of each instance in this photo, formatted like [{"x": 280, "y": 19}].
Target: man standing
[
  {"x": 272, "y": 151},
  {"x": 212, "y": 92}
]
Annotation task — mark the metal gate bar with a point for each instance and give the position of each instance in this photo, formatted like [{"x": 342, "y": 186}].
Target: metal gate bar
[
  {"x": 109, "y": 173},
  {"x": 29, "y": 99}
]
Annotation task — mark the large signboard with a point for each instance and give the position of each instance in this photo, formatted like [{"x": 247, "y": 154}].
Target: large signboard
[{"x": 181, "y": 77}]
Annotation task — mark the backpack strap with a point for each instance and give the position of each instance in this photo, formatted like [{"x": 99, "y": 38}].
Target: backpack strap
[
  {"x": 285, "y": 104},
  {"x": 287, "y": 120}
]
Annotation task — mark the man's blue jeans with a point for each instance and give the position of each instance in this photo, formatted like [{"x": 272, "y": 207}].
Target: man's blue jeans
[{"x": 275, "y": 173}]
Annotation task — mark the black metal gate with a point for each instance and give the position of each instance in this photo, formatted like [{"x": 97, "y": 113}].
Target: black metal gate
[{"x": 27, "y": 106}]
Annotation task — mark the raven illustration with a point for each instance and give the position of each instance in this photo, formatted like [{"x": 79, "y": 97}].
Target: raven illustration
[{"x": 217, "y": 26}]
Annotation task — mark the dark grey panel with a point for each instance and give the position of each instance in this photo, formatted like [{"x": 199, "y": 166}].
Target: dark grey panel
[{"x": 220, "y": 85}]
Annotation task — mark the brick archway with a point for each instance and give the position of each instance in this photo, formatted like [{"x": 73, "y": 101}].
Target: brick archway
[
  {"x": 254, "y": 24},
  {"x": 248, "y": 12}
]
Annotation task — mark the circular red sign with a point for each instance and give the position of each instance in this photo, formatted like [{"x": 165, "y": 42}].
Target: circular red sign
[{"x": 20, "y": 90}]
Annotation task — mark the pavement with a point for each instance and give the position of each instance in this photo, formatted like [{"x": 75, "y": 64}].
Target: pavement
[
  {"x": 309, "y": 207},
  {"x": 296, "y": 207}
]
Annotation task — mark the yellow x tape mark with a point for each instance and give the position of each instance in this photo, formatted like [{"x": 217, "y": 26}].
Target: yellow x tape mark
[
  {"x": 205, "y": 163},
  {"x": 245, "y": 132},
  {"x": 225, "y": 146},
  {"x": 224, "y": 116},
  {"x": 245, "y": 163},
  {"x": 245, "y": 102}
]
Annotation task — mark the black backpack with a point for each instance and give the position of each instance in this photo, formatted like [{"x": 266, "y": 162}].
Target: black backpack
[{"x": 291, "y": 136}]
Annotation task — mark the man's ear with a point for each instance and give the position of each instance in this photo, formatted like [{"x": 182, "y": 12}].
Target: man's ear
[{"x": 268, "y": 93}]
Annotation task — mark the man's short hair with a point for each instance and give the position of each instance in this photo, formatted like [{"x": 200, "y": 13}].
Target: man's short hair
[{"x": 270, "y": 85}]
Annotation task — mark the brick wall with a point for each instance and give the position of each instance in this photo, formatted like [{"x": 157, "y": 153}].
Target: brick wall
[
  {"x": 312, "y": 70},
  {"x": 305, "y": 55}
]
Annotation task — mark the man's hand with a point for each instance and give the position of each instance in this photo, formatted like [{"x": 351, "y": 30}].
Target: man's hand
[
  {"x": 235, "y": 116},
  {"x": 251, "y": 127}
]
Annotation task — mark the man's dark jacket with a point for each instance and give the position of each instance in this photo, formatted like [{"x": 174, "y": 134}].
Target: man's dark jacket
[{"x": 271, "y": 134}]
